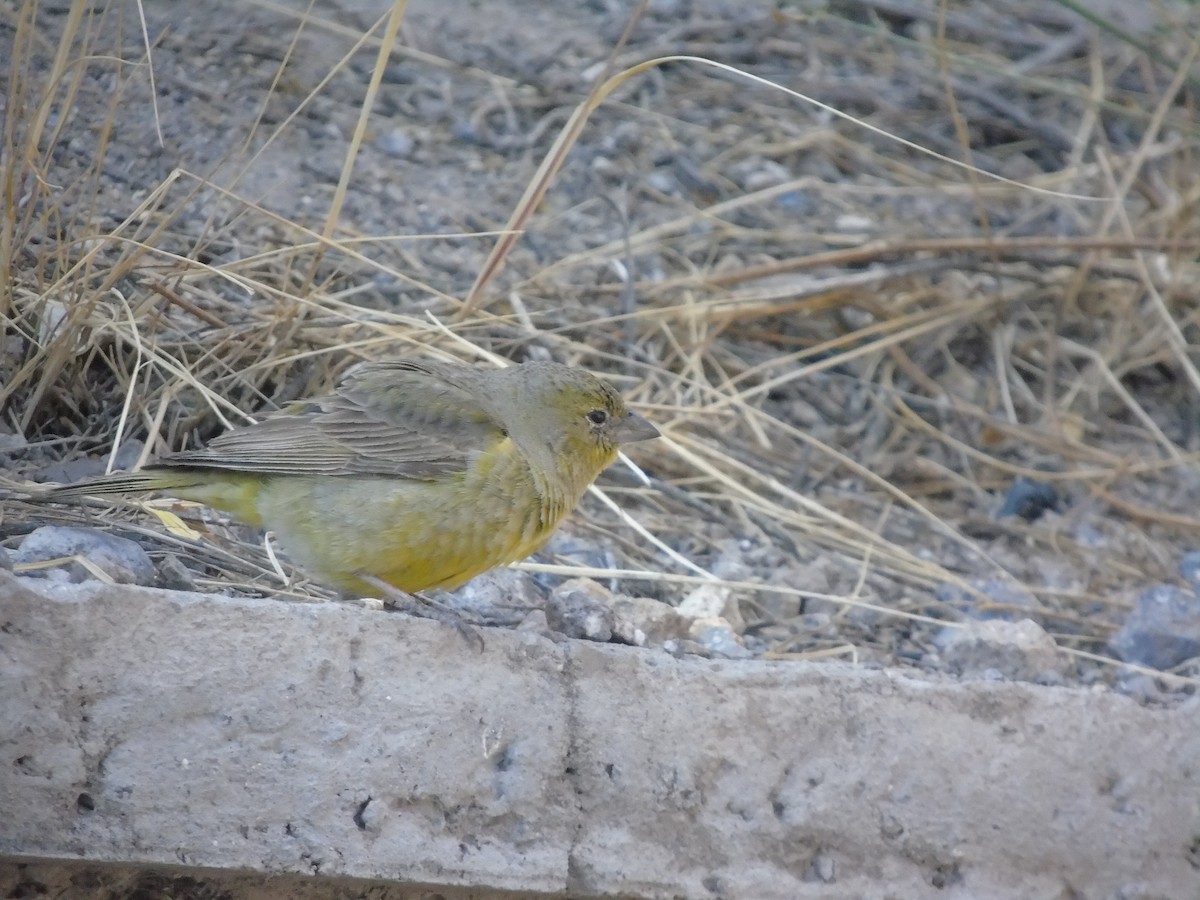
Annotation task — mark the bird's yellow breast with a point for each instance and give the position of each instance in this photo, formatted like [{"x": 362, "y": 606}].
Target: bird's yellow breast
[{"x": 413, "y": 534}]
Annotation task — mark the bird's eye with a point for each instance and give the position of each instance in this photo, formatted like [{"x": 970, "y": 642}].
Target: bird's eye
[{"x": 598, "y": 416}]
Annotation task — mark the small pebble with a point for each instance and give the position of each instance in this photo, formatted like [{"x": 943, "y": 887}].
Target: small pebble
[
  {"x": 625, "y": 632},
  {"x": 995, "y": 650},
  {"x": 712, "y": 600},
  {"x": 754, "y": 173},
  {"x": 576, "y": 619},
  {"x": 583, "y": 608},
  {"x": 1029, "y": 499},
  {"x": 399, "y": 74},
  {"x": 716, "y": 636},
  {"x": 396, "y": 142},
  {"x": 658, "y": 621},
  {"x": 853, "y": 222},
  {"x": 663, "y": 182},
  {"x": 798, "y": 203},
  {"x": 500, "y": 597},
  {"x": 822, "y": 868},
  {"x": 173, "y": 575},
  {"x": 1162, "y": 629},
  {"x": 123, "y": 560}
]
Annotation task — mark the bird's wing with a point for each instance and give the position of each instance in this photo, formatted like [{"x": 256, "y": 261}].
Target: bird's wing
[{"x": 404, "y": 420}]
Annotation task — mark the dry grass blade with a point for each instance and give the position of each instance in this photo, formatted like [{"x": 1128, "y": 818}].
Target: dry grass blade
[
  {"x": 390, "y": 34},
  {"x": 554, "y": 160}
]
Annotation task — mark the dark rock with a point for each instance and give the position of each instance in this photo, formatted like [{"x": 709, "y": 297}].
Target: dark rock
[
  {"x": 1029, "y": 499},
  {"x": 173, "y": 575}
]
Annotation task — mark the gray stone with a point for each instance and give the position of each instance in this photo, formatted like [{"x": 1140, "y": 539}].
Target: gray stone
[
  {"x": 993, "y": 648},
  {"x": 396, "y": 142},
  {"x": 503, "y": 596},
  {"x": 1162, "y": 629},
  {"x": 583, "y": 608},
  {"x": 234, "y": 738},
  {"x": 659, "y": 621},
  {"x": 174, "y": 575},
  {"x": 1028, "y": 499},
  {"x": 121, "y": 559},
  {"x": 712, "y": 600},
  {"x": 718, "y": 638}
]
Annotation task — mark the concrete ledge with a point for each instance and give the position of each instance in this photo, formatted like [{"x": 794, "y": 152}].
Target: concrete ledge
[{"x": 149, "y": 728}]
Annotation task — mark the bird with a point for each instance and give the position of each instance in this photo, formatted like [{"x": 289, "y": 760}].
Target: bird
[{"x": 410, "y": 475}]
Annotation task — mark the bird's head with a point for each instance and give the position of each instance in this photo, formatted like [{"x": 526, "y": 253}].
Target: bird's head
[{"x": 568, "y": 418}]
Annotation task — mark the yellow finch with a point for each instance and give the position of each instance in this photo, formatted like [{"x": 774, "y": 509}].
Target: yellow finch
[{"x": 417, "y": 474}]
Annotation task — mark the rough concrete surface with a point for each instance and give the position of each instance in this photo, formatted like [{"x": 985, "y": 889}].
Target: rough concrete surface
[{"x": 147, "y": 728}]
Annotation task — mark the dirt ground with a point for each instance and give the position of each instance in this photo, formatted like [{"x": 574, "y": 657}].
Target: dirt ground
[{"x": 858, "y": 349}]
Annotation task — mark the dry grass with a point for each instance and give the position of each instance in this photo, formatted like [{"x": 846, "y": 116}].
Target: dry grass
[{"x": 853, "y": 346}]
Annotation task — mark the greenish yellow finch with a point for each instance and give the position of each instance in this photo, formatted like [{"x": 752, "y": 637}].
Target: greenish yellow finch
[{"x": 417, "y": 474}]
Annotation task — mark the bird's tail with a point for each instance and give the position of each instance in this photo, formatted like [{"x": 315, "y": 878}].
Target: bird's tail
[
  {"x": 120, "y": 483},
  {"x": 233, "y": 492}
]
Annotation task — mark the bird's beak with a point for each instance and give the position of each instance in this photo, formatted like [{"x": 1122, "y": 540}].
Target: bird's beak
[{"x": 633, "y": 428}]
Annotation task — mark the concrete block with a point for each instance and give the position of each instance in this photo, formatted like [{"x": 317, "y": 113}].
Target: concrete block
[{"x": 261, "y": 739}]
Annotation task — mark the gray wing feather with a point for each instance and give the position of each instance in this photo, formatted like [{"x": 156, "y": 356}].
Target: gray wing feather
[{"x": 402, "y": 420}]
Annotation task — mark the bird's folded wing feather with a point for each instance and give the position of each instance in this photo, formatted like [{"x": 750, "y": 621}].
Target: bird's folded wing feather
[{"x": 402, "y": 420}]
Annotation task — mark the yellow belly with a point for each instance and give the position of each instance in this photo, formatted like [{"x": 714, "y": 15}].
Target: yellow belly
[{"x": 414, "y": 535}]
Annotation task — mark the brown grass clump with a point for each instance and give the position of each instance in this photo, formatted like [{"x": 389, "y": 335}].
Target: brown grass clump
[{"x": 856, "y": 333}]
